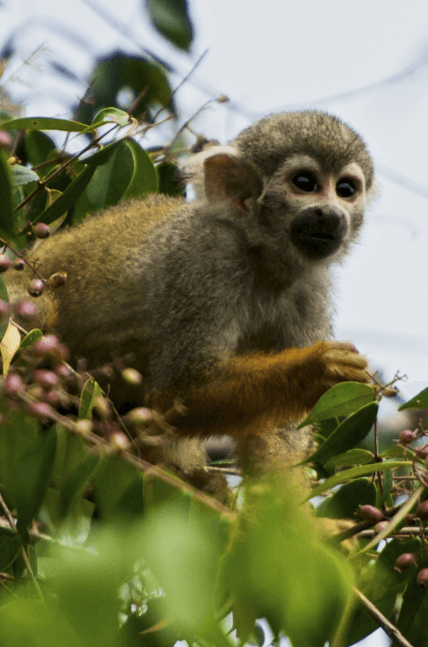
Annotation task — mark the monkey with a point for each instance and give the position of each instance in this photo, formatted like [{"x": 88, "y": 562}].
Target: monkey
[{"x": 224, "y": 302}]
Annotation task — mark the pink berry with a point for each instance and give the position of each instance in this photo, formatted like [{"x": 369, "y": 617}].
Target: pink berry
[
  {"x": 370, "y": 513},
  {"x": 36, "y": 288},
  {"x": 5, "y": 263},
  {"x": 406, "y": 436},
  {"x": 422, "y": 510},
  {"x": 40, "y": 410},
  {"x": 422, "y": 577},
  {"x": 46, "y": 344},
  {"x": 13, "y": 383},
  {"x": 4, "y": 309},
  {"x": 41, "y": 230},
  {"x": 19, "y": 264},
  {"x": 25, "y": 309},
  {"x": 5, "y": 139},
  {"x": 47, "y": 379},
  {"x": 404, "y": 561}
]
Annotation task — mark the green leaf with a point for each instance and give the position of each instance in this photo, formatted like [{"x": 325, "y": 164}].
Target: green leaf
[
  {"x": 103, "y": 155},
  {"x": 396, "y": 451},
  {"x": 168, "y": 183},
  {"x": 26, "y": 463},
  {"x": 110, "y": 115},
  {"x": 345, "y": 501},
  {"x": 7, "y": 223},
  {"x": 76, "y": 484},
  {"x": 281, "y": 571},
  {"x": 43, "y": 123},
  {"x": 420, "y": 401},
  {"x": 118, "y": 489},
  {"x": 38, "y": 146},
  {"x": 23, "y": 175},
  {"x": 341, "y": 400},
  {"x": 118, "y": 71},
  {"x": 145, "y": 178},
  {"x": 4, "y": 297},
  {"x": 348, "y": 434},
  {"x": 381, "y": 586},
  {"x": 68, "y": 198},
  {"x": 183, "y": 555},
  {"x": 412, "y": 621},
  {"x": 354, "y": 456},
  {"x": 90, "y": 392},
  {"x": 171, "y": 19},
  {"x": 347, "y": 475},
  {"x": 10, "y": 545},
  {"x": 112, "y": 179},
  {"x": 32, "y": 336}
]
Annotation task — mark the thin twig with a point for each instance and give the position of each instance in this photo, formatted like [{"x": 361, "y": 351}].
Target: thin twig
[
  {"x": 24, "y": 554},
  {"x": 392, "y": 631}
]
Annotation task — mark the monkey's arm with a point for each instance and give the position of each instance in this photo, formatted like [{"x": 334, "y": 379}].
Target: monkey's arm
[{"x": 257, "y": 392}]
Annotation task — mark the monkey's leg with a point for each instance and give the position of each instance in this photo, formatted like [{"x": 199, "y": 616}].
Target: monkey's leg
[{"x": 257, "y": 392}]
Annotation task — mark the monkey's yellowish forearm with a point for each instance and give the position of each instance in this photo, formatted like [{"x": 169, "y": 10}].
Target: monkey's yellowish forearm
[{"x": 258, "y": 392}]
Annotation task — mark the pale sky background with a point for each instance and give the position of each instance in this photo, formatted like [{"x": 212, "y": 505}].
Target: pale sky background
[{"x": 365, "y": 61}]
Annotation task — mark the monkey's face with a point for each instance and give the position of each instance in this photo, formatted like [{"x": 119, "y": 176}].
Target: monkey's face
[{"x": 322, "y": 209}]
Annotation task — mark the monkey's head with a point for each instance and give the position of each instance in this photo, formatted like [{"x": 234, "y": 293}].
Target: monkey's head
[{"x": 297, "y": 183}]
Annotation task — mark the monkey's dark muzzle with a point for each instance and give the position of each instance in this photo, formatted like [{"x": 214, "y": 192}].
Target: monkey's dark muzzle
[{"x": 318, "y": 234}]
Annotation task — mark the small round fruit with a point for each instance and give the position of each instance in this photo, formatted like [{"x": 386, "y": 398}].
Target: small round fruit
[{"x": 41, "y": 230}]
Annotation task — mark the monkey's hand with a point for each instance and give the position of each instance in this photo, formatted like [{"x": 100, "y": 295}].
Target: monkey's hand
[
  {"x": 259, "y": 391},
  {"x": 343, "y": 362}
]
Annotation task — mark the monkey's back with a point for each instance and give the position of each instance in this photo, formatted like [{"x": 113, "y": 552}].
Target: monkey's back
[{"x": 95, "y": 255}]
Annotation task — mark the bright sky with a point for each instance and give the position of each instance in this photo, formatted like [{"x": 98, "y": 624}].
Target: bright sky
[{"x": 291, "y": 55}]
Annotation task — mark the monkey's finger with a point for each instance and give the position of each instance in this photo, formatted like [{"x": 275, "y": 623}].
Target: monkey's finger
[
  {"x": 341, "y": 345},
  {"x": 346, "y": 373},
  {"x": 347, "y": 357}
]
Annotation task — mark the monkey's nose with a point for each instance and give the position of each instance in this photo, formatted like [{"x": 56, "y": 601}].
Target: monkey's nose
[{"x": 318, "y": 233}]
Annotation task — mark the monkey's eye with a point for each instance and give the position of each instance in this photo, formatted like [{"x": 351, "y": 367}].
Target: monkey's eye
[
  {"x": 346, "y": 188},
  {"x": 305, "y": 181}
]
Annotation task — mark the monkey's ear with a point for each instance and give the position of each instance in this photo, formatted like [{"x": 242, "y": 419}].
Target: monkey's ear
[{"x": 229, "y": 178}]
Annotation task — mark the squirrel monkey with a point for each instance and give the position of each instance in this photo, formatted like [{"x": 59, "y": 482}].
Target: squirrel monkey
[{"x": 224, "y": 302}]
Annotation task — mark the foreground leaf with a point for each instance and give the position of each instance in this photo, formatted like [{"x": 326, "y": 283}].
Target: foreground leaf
[
  {"x": 348, "y": 434},
  {"x": 341, "y": 400}
]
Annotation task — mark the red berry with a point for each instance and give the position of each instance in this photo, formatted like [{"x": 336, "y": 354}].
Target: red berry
[
  {"x": 380, "y": 526},
  {"x": 40, "y": 410},
  {"x": 404, "y": 561},
  {"x": 422, "y": 510},
  {"x": 47, "y": 379},
  {"x": 36, "y": 288},
  {"x": 41, "y": 230},
  {"x": 13, "y": 383},
  {"x": 5, "y": 263},
  {"x": 5, "y": 139},
  {"x": 406, "y": 436},
  {"x": 25, "y": 309},
  {"x": 370, "y": 513},
  {"x": 19, "y": 264},
  {"x": 422, "y": 577},
  {"x": 4, "y": 309},
  {"x": 51, "y": 397},
  {"x": 46, "y": 344},
  {"x": 63, "y": 371}
]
